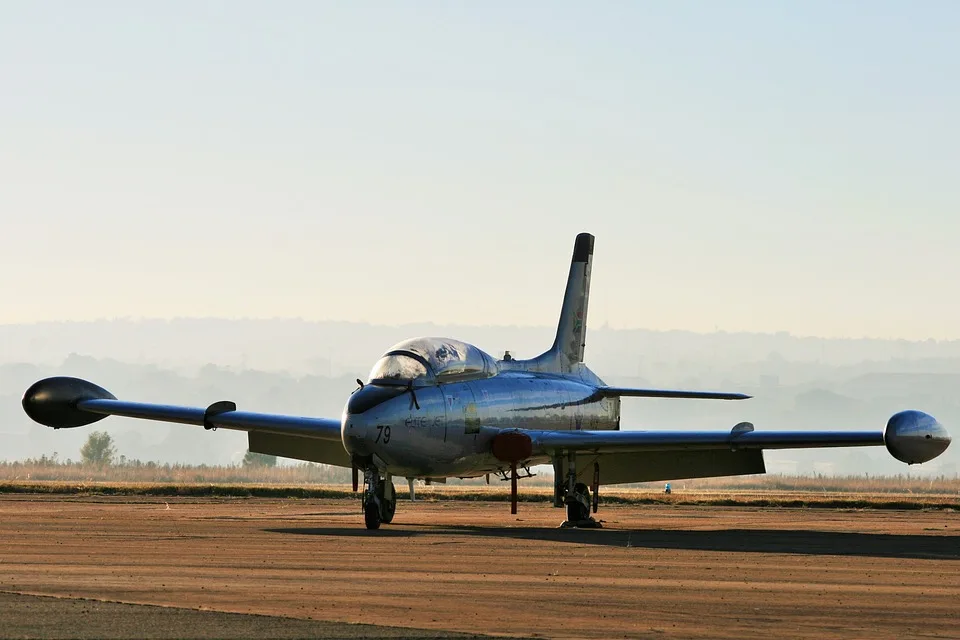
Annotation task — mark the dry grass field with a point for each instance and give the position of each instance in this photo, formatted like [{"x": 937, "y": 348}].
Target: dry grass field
[
  {"x": 538, "y": 494},
  {"x": 314, "y": 475}
]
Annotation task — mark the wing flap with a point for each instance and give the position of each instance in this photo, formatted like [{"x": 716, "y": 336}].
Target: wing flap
[
  {"x": 299, "y": 448},
  {"x": 648, "y": 466},
  {"x": 644, "y": 456}
]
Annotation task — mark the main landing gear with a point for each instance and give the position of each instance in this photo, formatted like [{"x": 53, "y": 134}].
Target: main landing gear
[
  {"x": 379, "y": 498},
  {"x": 576, "y": 496}
]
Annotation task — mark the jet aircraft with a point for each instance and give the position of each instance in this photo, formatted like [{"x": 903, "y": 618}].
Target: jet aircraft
[{"x": 435, "y": 408}]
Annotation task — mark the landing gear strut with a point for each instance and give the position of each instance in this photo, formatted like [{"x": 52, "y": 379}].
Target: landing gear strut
[
  {"x": 379, "y": 498},
  {"x": 576, "y": 495}
]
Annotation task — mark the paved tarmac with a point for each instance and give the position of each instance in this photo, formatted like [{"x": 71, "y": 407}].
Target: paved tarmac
[{"x": 448, "y": 567}]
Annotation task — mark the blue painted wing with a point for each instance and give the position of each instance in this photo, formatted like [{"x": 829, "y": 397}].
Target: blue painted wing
[
  {"x": 551, "y": 442},
  {"x": 63, "y": 402},
  {"x": 321, "y": 428}
]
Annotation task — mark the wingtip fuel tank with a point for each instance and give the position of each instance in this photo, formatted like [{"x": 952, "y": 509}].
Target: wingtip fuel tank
[
  {"x": 915, "y": 437},
  {"x": 53, "y": 402}
]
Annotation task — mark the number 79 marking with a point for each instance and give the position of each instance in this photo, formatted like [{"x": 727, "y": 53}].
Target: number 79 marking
[{"x": 383, "y": 433}]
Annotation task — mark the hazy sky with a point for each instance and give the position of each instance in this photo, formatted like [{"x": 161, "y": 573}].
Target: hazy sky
[{"x": 755, "y": 166}]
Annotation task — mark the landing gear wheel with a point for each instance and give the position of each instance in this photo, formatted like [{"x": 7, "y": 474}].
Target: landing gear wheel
[
  {"x": 387, "y": 507},
  {"x": 578, "y": 509},
  {"x": 372, "y": 498},
  {"x": 578, "y": 504},
  {"x": 371, "y": 513}
]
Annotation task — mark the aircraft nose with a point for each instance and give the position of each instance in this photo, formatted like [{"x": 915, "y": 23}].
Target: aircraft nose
[
  {"x": 354, "y": 433},
  {"x": 360, "y": 416}
]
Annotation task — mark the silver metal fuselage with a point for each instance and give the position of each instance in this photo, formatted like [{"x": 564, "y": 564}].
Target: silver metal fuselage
[{"x": 450, "y": 434}]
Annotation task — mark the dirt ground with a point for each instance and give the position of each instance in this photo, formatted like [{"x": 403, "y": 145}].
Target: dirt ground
[
  {"x": 28, "y": 616},
  {"x": 654, "y": 571}
]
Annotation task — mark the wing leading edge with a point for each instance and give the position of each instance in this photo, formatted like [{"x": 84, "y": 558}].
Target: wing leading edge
[{"x": 320, "y": 428}]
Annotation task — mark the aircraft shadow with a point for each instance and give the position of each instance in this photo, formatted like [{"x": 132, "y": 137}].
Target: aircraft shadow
[{"x": 736, "y": 540}]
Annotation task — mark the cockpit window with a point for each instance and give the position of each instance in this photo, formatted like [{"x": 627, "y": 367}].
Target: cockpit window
[
  {"x": 398, "y": 369},
  {"x": 428, "y": 361}
]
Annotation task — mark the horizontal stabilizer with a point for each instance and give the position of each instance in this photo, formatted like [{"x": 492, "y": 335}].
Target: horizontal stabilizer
[{"x": 669, "y": 393}]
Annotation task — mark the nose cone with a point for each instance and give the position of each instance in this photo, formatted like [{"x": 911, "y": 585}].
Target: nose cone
[
  {"x": 371, "y": 396},
  {"x": 915, "y": 437},
  {"x": 353, "y": 431},
  {"x": 361, "y": 414}
]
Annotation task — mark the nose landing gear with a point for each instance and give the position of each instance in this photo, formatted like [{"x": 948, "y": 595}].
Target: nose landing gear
[{"x": 379, "y": 498}]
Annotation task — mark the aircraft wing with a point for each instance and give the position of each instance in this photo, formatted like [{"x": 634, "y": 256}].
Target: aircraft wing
[
  {"x": 220, "y": 415},
  {"x": 646, "y": 456},
  {"x": 64, "y": 402},
  {"x": 640, "y": 456},
  {"x": 552, "y": 442}
]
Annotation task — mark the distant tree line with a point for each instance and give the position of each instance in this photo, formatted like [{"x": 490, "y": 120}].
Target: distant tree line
[{"x": 99, "y": 451}]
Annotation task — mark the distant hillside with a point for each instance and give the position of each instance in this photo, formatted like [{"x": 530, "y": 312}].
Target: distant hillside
[{"x": 327, "y": 348}]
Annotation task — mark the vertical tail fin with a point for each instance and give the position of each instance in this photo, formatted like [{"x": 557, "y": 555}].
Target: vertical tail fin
[
  {"x": 566, "y": 354},
  {"x": 571, "y": 330}
]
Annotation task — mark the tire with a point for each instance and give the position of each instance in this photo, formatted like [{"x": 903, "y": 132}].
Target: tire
[
  {"x": 576, "y": 512},
  {"x": 387, "y": 507},
  {"x": 371, "y": 514},
  {"x": 578, "y": 504}
]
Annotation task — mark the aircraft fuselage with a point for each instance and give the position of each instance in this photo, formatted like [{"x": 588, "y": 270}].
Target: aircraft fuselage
[{"x": 448, "y": 428}]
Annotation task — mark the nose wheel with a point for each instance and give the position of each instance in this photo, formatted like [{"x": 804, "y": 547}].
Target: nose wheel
[{"x": 379, "y": 498}]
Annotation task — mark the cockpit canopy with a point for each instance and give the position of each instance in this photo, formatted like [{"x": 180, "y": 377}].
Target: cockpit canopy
[{"x": 426, "y": 361}]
